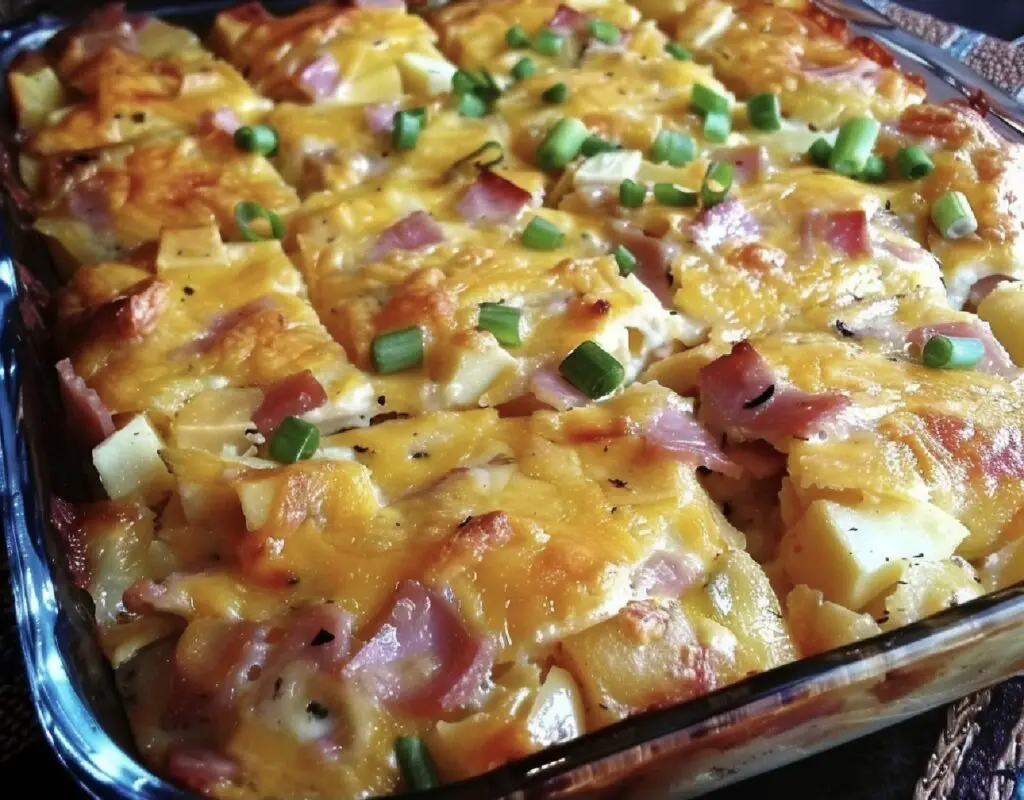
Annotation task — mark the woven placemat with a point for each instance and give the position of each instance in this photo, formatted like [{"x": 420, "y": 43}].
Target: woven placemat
[{"x": 976, "y": 751}]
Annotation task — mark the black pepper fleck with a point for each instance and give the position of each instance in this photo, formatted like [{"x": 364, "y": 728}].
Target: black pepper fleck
[
  {"x": 317, "y": 710},
  {"x": 618, "y": 483},
  {"x": 322, "y": 637}
]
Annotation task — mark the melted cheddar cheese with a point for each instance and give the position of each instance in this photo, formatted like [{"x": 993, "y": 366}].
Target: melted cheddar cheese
[{"x": 312, "y": 546}]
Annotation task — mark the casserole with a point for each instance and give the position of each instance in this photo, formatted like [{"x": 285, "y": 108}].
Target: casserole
[{"x": 786, "y": 702}]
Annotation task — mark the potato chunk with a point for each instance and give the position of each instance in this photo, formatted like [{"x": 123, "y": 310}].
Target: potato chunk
[{"x": 819, "y": 625}]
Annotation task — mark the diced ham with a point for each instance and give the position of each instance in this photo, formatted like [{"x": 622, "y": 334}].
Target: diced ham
[
  {"x": 653, "y": 260},
  {"x": 199, "y": 769},
  {"x": 843, "y": 231},
  {"x": 109, "y": 26},
  {"x": 750, "y": 162},
  {"x": 221, "y": 119},
  {"x": 740, "y": 391},
  {"x": 319, "y": 634},
  {"x": 221, "y": 324},
  {"x": 380, "y": 117},
  {"x": 33, "y": 300},
  {"x": 416, "y": 230},
  {"x": 67, "y": 520},
  {"x": 379, "y": 3},
  {"x": 550, "y": 388},
  {"x": 319, "y": 78},
  {"x": 492, "y": 198},
  {"x": 862, "y": 71},
  {"x": 676, "y": 432},
  {"x": 568, "y": 20},
  {"x": 996, "y": 360},
  {"x": 423, "y": 659},
  {"x": 983, "y": 287},
  {"x": 666, "y": 573},
  {"x": 88, "y": 201},
  {"x": 88, "y": 418},
  {"x": 290, "y": 396},
  {"x": 729, "y": 221}
]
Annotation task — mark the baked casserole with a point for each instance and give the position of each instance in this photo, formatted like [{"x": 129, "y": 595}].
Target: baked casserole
[{"x": 460, "y": 381}]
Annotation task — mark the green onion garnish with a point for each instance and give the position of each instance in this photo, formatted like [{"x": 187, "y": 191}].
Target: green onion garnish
[
  {"x": 294, "y": 440},
  {"x": 716, "y": 184},
  {"x": 820, "y": 152},
  {"x": 247, "y": 212},
  {"x": 524, "y": 68},
  {"x": 406, "y": 129},
  {"x": 260, "y": 139},
  {"x": 397, "y": 350},
  {"x": 631, "y": 193},
  {"x": 555, "y": 94},
  {"x": 913, "y": 162},
  {"x": 668, "y": 194},
  {"x": 548, "y": 43},
  {"x": 414, "y": 761},
  {"x": 625, "y": 259},
  {"x": 502, "y": 321},
  {"x": 489, "y": 154},
  {"x": 539, "y": 234},
  {"x": 604, "y": 31},
  {"x": 717, "y": 126},
  {"x": 953, "y": 215},
  {"x": 472, "y": 105},
  {"x": 593, "y": 145},
  {"x": 592, "y": 370},
  {"x": 952, "y": 352},
  {"x": 875, "y": 170},
  {"x": 705, "y": 101},
  {"x": 678, "y": 52},
  {"x": 485, "y": 84},
  {"x": 675, "y": 148},
  {"x": 562, "y": 144},
  {"x": 764, "y": 112},
  {"x": 516, "y": 37},
  {"x": 463, "y": 82},
  {"x": 854, "y": 143}
]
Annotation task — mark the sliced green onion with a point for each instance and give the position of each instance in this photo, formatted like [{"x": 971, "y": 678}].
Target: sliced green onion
[
  {"x": 592, "y": 370},
  {"x": 678, "y": 52},
  {"x": 631, "y": 193},
  {"x": 674, "y": 147},
  {"x": 820, "y": 152},
  {"x": 502, "y": 321},
  {"x": 765, "y": 112},
  {"x": 914, "y": 162},
  {"x": 294, "y": 440},
  {"x": 415, "y": 762},
  {"x": 953, "y": 215},
  {"x": 716, "y": 184},
  {"x": 625, "y": 259},
  {"x": 260, "y": 139},
  {"x": 717, "y": 126},
  {"x": 875, "y": 170},
  {"x": 555, "y": 94},
  {"x": 486, "y": 86},
  {"x": 952, "y": 352},
  {"x": 854, "y": 143},
  {"x": 668, "y": 194},
  {"x": 524, "y": 68},
  {"x": 516, "y": 37},
  {"x": 604, "y": 31},
  {"x": 406, "y": 130},
  {"x": 472, "y": 105},
  {"x": 247, "y": 212},
  {"x": 397, "y": 350},
  {"x": 539, "y": 234},
  {"x": 706, "y": 101},
  {"x": 548, "y": 43},
  {"x": 593, "y": 145},
  {"x": 488, "y": 154},
  {"x": 562, "y": 144},
  {"x": 463, "y": 82}
]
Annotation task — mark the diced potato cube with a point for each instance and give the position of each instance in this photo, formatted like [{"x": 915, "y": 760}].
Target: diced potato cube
[
  {"x": 929, "y": 587},
  {"x": 819, "y": 625},
  {"x": 158, "y": 39},
  {"x": 380, "y": 86},
  {"x": 257, "y": 498},
  {"x": 429, "y": 75},
  {"x": 200, "y": 82},
  {"x": 35, "y": 96},
  {"x": 647, "y": 656},
  {"x": 608, "y": 170},
  {"x": 129, "y": 461},
  {"x": 217, "y": 420},
  {"x": 1003, "y": 310},
  {"x": 1004, "y": 567},
  {"x": 474, "y": 368},
  {"x": 191, "y": 248},
  {"x": 854, "y": 553}
]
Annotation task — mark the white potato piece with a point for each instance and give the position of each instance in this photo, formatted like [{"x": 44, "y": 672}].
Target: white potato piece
[{"x": 128, "y": 461}]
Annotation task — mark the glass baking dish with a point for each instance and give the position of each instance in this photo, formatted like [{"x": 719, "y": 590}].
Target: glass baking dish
[{"x": 683, "y": 751}]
